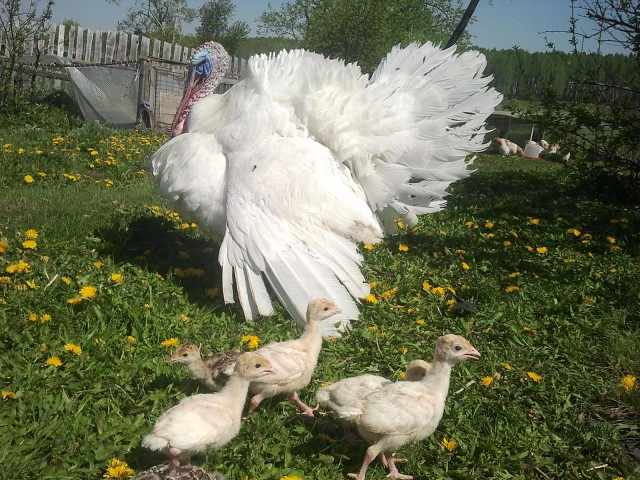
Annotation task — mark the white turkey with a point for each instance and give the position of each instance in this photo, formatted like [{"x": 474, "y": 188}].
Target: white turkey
[{"x": 308, "y": 156}]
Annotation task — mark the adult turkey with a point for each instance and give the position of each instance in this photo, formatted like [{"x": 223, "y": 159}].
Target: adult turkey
[{"x": 308, "y": 156}]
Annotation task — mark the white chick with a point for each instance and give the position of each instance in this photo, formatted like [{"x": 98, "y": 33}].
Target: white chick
[
  {"x": 293, "y": 362},
  {"x": 503, "y": 147},
  {"x": 209, "y": 420},
  {"x": 212, "y": 370},
  {"x": 405, "y": 412}
]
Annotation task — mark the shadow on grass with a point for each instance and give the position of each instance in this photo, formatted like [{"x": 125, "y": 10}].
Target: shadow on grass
[{"x": 155, "y": 245}]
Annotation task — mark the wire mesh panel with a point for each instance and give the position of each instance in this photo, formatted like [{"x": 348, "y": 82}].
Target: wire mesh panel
[{"x": 167, "y": 88}]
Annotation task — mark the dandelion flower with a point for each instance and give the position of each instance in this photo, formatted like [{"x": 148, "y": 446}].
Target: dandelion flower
[
  {"x": 117, "y": 278},
  {"x": 629, "y": 383},
  {"x": 73, "y": 348},
  {"x": 372, "y": 299},
  {"x": 74, "y": 300},
  {"x": 534, "y": 221},
  {"x": 87, "y": 292},
  {"x": 5, "y": 280},
  {"x": 420, "y": 322},
  {"x": 389, "y": 294},
  {"x": 489, "y": 224},
  {"x": 54, "y": 361},
  {"x": 31, "y": 234},
  {"x": 118, "y": 469},
  {"x": 28, "y": 179},
  {"x": 33, "y": 317},
  {"x": 292, "y": 476},
  {"x": 542, "y": 250},
  {"x": 170, "y": 342},
  {"x": 514, "y": 274},
  {"x": 369, "y": 246},
  {"x": 486, "y": 381},
  {"x": 426, "y": 286},
  {"x": 30, "y": 245},
  {"x": 439, "y": 291},
  {"x": 403, "y": 350},
  {"x": 252, "y": 341},
  {"x": 131, "y": 340},
  {"x": 403, "y": 247},
  {"x": 18, "y": 267},
  {"x": 536, "y": 377},
  {"x": 108, "y": 183},
  {"x": 512, "y": 289},
  {"x": 45, "y": 317},
  {"x": 466, "y": 266},
  {"x": 4, "y": 246},
  {"x": 449, "y": 444},
  {"x": 611, "y": 240},
  {"x": 98, "y": 264},
  {"x": 7, "y": 395},
  {"x": 506, "y": 366},
  {"x": 575, "y": 232},
  {"x": 183, "y": 317},
  {"x": 66, "y": 280}
]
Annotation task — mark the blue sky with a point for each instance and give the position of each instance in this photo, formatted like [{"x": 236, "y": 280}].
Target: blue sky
[{"x": 500, "y": 23}]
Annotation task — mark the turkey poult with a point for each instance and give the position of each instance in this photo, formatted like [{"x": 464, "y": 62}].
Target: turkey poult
[
  {"x": 293, "y": 362},
  {"x": 346, "y": 397},
  {"x": 405, "y": 412},
  {"x": 212, "y": 371},
  {"x": 209, "y": 420},
  {"x": 307, "y": 156}
]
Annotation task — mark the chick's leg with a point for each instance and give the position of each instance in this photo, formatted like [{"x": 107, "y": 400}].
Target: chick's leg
[
  {"x": 255, "y": 401},
  {"x": 393, "y": 470},
  {"x": 303, "y": 407},
  {"x": 370, "y": 456}
]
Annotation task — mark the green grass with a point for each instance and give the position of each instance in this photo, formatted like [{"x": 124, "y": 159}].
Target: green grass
[{"x": 574, "y": 320}]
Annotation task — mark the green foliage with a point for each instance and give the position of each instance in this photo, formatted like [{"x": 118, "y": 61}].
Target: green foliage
[
  {"x": 215, "y": 17},
  {"x": 364, "y": 31},
  {"x": 575, "y": 320}
]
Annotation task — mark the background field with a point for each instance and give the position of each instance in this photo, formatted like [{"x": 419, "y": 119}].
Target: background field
[{"x": 572, "y": 317}]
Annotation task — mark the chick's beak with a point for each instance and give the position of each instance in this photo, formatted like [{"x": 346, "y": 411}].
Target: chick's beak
[{"x": 472, "y": 354}]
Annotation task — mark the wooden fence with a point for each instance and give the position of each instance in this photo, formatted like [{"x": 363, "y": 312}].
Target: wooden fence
[{"x": 85, "y": 46}]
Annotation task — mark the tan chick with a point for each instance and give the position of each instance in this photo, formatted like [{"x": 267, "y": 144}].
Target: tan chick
[
  {"x": 212, "y": 371},
  {"x": 293, "y": 362},
  {"x": 209, "y": 420},
  {"x": 406, "y": 412}
]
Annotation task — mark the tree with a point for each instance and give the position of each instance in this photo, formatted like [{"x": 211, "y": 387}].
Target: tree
[
  {"x": 162, "y": 19},
  {"x": 19, "y": 21},
  {"x": 215, "y": 18},
  {"x": 290, "y": 21}
]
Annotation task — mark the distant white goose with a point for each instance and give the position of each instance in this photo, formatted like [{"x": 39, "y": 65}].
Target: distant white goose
[{"x": 307, "y": 156}]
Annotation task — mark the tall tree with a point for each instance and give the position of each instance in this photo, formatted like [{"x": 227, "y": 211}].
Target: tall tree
[
  {"x": 215, "y": 24},
  {"x": 291, "y": 20},
  {"x": 159, "y": 18}
]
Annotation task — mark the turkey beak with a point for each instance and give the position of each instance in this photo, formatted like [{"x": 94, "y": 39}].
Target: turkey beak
[
  {"x": 472, "y": 354},
  {"x": 178, "y": 122}
]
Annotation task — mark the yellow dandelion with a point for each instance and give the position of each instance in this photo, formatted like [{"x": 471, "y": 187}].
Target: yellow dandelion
[
  {"x": 108, "y": 183},
  {"x": 117, "y": 278},
  {"x": 292, "y": 476},
  {"x": 73, "y": 348},
  {"x": 389, "y": 294},
  {"x": 451, "y": 304},
  {"x": 33, "y": 317},
  {"x": 403, "y": 247},
  {"x": 5, "y": 280},
  {"x": 74, "y": 300},
  {"x": 575, "y": 232},
  {"x": 489, "y": 224},
  {"x": 7, "y": 395},
  {"x": 28, "y": 179},
  {"x": 534, "y": 221},
  {"x": 487, "y": 381},
  {"x": 45, "y": 317},
  {"x": 170, "y": 342},
  {"x": 251, "y": 341},
  {"x": 54, "y": 361},
  {"x": 31, "y": 284},
  {"x": 66, "y": 280},
  {"x": 87, "y": 292},
  {"x": 98, "y": 264},
  {"x": 439, "y": 291},
  {"x": 466, "y": 266},
  {"x": 183, "y": 317},
  {"x": 18, "y": 267},
  {"x": 4, "y": 246},
  {"x": 369, "y": 246},
  {"x": 30, "y": 245},
  {"x": 131, "y": 340},
  {"x": 536, "y": 377},
  {"x": 420, "y": 322},
  {"x": 426, "y": 286},
  {"x": 184, "y": 226},
  {"x": 470, "y": 224},
  {"x": 514, "y": 274},
  {"x": 506, "y": 366},
  {"x": 449, "y": 444},
  {"x": 629, "y": 383},
  {"x": 512, "y": 289},
  {"x": 118, "y": 469},
  {"x": 611, "y": 240},
  {"x": 372, "y": 299},
  {"x": 31, "y": 234},
  {"x": 542, "y": 250},
  {"x": 403, "y": 350}
]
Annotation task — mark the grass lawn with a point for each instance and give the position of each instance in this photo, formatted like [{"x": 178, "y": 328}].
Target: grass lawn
[{"x": 546, "y": 282}]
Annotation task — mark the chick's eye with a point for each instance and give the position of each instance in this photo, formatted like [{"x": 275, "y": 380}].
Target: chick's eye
[
  {"x": 184, "y": 354},
  {"x": 258, "y": 365},
  {"x": 326, "y": 308},
  {"x": 458, "y": 348}
]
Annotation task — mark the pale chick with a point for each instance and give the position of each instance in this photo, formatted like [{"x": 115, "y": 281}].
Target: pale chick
[
  {"x": 211, "y": 371},
  {"x": 345, "y": 398},
  {"x": 208, "y": 420},
  {"x": 293, "y": 362},
  {"x": 405, "y": 412}
]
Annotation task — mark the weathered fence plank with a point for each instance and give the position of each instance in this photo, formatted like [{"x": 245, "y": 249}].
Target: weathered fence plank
[
  {"x": 177, "y": 52},
  {"x": 88, "y": 46},
  {"x": 133, "y": 50},
  {"x": 60, "y": 43},
  {"x": 123, "y": 41},
  {"x": 110, "y": 47},
  {"x": 71, "y": 50},
  {"x": 156, "y": 49},
  {"x": 97, "y": 47},
  {"x": 144, "y": 47},
  {"x": 166, "y": 51},
  {"x": 79, "y": 44}
]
